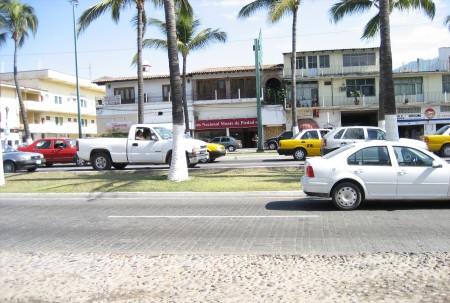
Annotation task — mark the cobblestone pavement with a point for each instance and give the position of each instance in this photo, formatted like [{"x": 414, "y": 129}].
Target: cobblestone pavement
[{"x": 97, "y": 277}]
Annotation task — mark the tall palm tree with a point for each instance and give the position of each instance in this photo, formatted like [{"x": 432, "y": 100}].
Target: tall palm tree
[
  {"x": 178, "y": 169},
  {"x": 277, "y": 10},
  {"x": 115, "y": 6},
  {"x": 380, "y": 24},
  {"x": 19, "y": 19},
  {"x": 187, "y": 41}
]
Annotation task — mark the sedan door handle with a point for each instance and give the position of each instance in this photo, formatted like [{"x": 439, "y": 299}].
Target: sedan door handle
[
  {"x": 359, "y": 171},
  {"x": 343, "y": 143},
  {"x": 402, "y": 172},
  {"x": 135, "y": 144}
]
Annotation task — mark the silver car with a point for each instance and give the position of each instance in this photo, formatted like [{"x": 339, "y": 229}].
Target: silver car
[{"x": 17, "y": 160}]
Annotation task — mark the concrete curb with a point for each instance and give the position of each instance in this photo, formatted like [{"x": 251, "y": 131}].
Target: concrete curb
[{"x": 99, "y": 195}]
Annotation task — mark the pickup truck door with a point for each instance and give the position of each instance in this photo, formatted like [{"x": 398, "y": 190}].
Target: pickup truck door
[{"x": 145, "y": 151}]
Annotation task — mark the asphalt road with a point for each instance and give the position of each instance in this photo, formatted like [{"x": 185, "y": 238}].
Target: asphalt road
[{"x": 234, "y": 223}]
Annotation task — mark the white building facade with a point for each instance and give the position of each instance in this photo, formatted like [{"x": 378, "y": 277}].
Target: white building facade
[{"x": 50, "y": 100}]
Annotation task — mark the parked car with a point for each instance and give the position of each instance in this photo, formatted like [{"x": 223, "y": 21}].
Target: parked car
[
  {"x": 272, "y": 143},
  {"x": 230, "y": 143},
  {"x": 55, "y": 150},
  {"x": 341, "y": 136},
  {"x": 17, "y": 160},
  {"x": 439, "y": 142},
  {"x": 214, "y": 151},
  {"x": 381, "y": 170},
  {"x": 306, "y": 143}
]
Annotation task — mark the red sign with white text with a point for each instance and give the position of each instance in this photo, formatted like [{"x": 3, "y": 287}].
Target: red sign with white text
[{"x": 226, "y": 123}]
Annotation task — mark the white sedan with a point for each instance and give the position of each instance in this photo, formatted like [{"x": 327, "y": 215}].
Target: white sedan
[{"x": 382, "y": 170}]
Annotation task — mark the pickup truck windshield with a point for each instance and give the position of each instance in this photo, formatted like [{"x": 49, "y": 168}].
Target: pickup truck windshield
[{"x": 164, "y": 133}]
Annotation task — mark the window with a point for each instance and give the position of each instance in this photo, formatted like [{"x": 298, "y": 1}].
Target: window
[
  {"x": 83, "y": 103},
  {"x": 300, "y": 62},
  {"x": 207, "y": 89},
  {"x": 407, "y": 156},
  {"x": 408, "y": 86},
  {"x": 446, "y": 83},
  {"x": 374, "y": 156},
  {"x": 44, "y": 144},
  {"x": 126, "y": 94},
  {"x": 312, "y": 61},
  {"x": 359, "y": 59},
  {"x": 58, "y": 100},
  {"x": 324, "y": 61},
  {"x": 166, "y": 92},
  {"x": 354, "y": 133},
  {"x": 376, "y": 134},
  {"x": 47, "y": 118},
  {"x": 339, "y": 134},
  {"x": 365, "y": 86},
  {"x": 69, "y": 119},
  {"x": 312, "y": 134},
  {"x": 58, "y": 120},
  {"x": 243, "y": 88}
]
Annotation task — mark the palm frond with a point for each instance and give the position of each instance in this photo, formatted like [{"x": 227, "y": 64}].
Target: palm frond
[
  {"x": 426, "y": 6},
  {"x": 282, "y": 8},
  {"x": 253, "y": 7},
  {"x": 159, "y": 24},
  {"x": 447, "y": 22},
  {"x": 372, "y": 28},
  {"x": 348, "y": 7},
  {"x": 206, "y": 37}
]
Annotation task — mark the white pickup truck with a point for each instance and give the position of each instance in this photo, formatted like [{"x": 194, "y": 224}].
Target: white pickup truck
[{"x": 146, "y": 144}]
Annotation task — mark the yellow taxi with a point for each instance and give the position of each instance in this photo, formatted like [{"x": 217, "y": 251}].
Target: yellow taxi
[{"x": 306, "y": 143}]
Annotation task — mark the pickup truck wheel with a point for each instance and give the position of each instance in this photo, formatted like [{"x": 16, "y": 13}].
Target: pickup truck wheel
[
  {"x": 119, "y": 165},
  {"x": 273, "y": 145},
  {"x": 445, "y": 150},
  {"x": 101, "y": 161},
  {"x": 299, "y": 154}
]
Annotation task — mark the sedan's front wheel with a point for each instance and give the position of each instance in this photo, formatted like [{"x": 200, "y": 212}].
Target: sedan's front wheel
[
  {"x": 445, "y": 150},
  {"x": 9, "y": 167},
  {"x": 231, "y": 148},
  {"x": 346, "y": 196},
  {"x": 299, "y": 154}
]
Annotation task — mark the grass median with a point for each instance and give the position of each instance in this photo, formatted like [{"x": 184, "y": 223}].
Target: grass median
[{"x": 217, "y": 180}]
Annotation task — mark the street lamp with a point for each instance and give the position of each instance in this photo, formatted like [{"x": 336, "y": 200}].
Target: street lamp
[{"x": 74, "y": 4}]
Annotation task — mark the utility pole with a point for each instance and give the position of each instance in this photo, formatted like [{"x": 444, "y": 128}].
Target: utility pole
[{"x": 257, "y": 48}]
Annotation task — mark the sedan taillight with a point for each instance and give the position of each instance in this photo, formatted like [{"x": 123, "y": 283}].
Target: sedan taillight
[{"x": 309, "y": 171}]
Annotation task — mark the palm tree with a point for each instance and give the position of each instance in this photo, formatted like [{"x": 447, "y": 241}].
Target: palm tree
[
  {"x": 380, "y": 24},
  {"x": 187, "y": 41},
  {"x": 178, "y": 169},
  {"x": 277, "y": 10},
  {"x": 115, "y": 6},
  {"x": 19, "y": 19},
  {"x": 447, "y": 22}
]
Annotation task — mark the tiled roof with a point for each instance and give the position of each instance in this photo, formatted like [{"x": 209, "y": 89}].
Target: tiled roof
[{"x": 214, "y": 70}]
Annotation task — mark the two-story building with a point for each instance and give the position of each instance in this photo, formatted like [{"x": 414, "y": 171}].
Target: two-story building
[
  {"x": 221, "y": 101},
  {"x": 341, "y": 87},
  {"x": 50, "y": 100}
]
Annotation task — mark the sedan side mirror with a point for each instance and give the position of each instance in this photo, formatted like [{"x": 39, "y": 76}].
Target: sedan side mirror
[
  {"x": 154, "y": 137},
  {"x": 436, "y": 164}
]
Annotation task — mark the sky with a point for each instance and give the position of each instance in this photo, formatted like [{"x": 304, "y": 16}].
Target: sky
[{"x": 106, "y": 48}]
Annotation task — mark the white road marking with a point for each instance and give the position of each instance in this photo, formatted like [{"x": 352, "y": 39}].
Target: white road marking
[{"x": 210, "y": 217}]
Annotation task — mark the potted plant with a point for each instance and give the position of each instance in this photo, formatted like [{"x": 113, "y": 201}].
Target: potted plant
[{"x": 355, "y": 94}]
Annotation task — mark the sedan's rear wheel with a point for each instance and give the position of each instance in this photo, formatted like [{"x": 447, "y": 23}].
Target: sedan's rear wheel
[
  {"x": 445, "y": 150},
  {"x": 231, "y": 148},
  {"x": 346, "y": 196},
  {"x": 9, "y": 167},
  {"x": 299, "y": 154},
  {"x": 79, "y": 162}
]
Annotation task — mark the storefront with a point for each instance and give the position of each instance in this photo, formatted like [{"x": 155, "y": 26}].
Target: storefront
[
  {"x": 423, "y": 120},
  {"x": 243, "y": 129}
]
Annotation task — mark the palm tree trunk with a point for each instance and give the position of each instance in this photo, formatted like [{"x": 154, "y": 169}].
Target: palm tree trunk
[
  {"x": 293, "y": 72},
  {"x": 178, "y": 169},
  {"x": 185, "y": 107},
  {"x": 387, "y": 96},
  {"x": 23, "y": 111},
  {"x": 140, "y": 73}
]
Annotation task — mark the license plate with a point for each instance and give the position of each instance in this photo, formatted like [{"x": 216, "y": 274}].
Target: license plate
[{"x": 38, "y": 161}]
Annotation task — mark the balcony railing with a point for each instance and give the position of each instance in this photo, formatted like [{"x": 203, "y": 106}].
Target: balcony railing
[
  {"x": 337, "y": 70},
  {"x": 327, "y": 101},
  {"x": 66, "y": 128}
]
